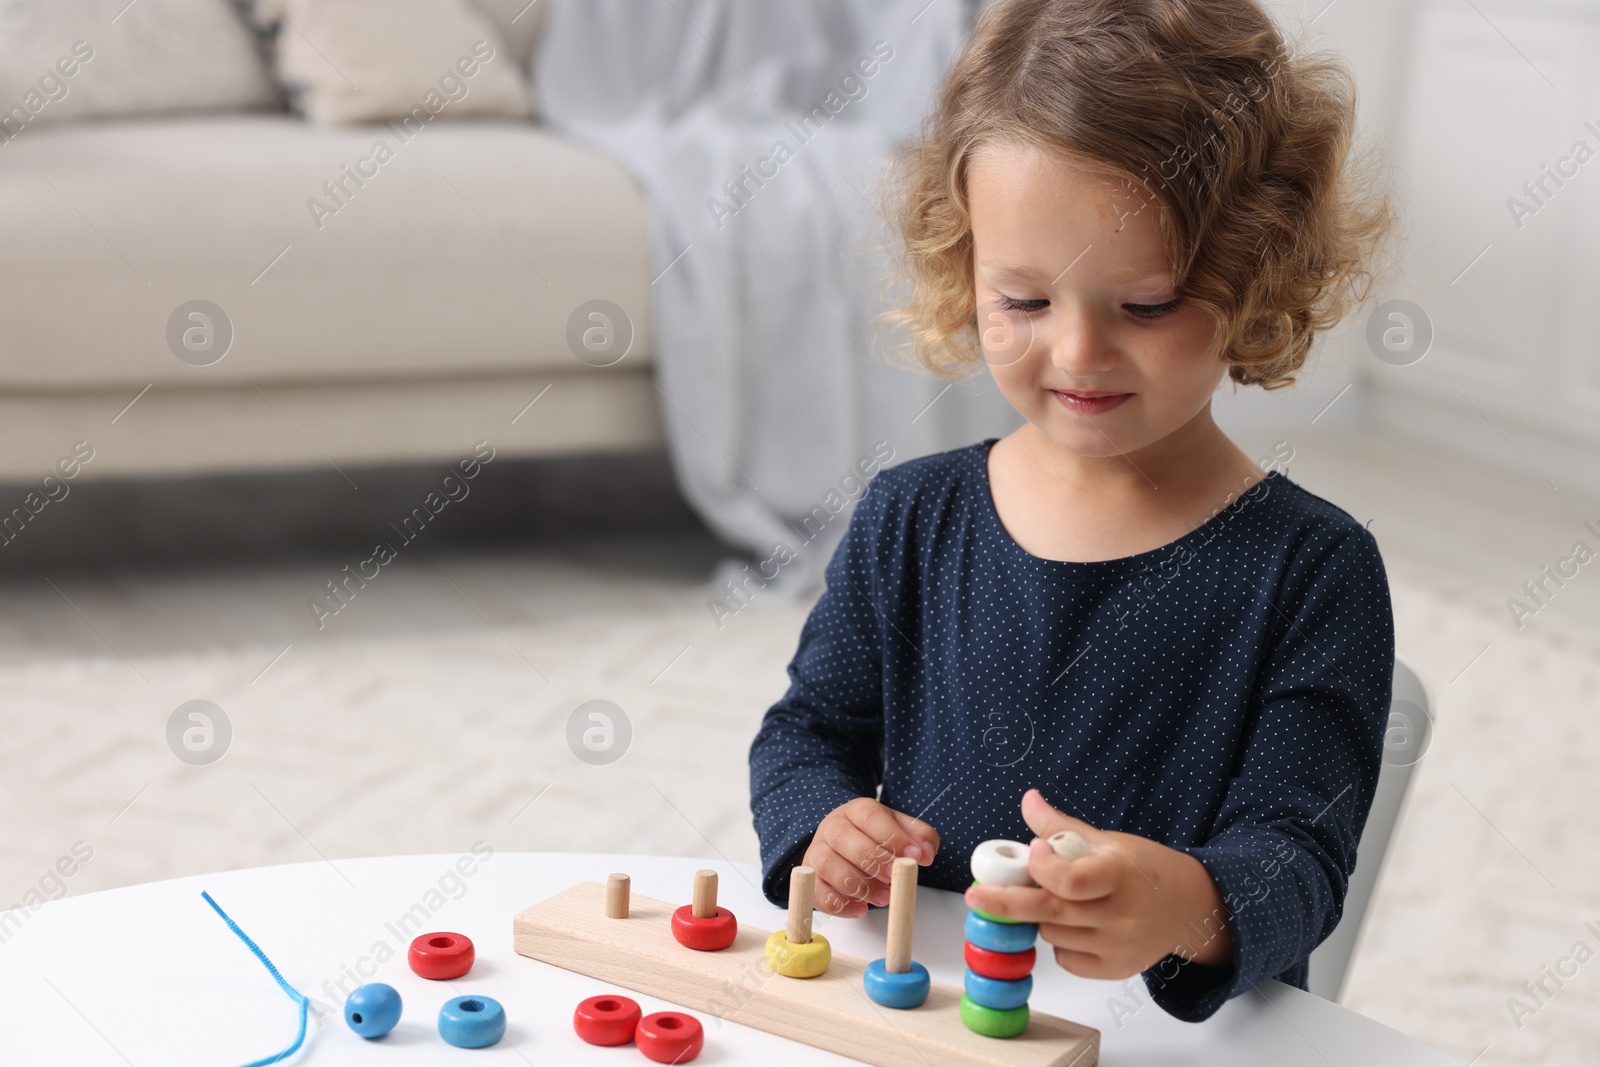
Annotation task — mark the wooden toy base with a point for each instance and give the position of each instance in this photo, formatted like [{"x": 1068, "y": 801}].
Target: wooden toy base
[{"x": 829, "y": 1012}]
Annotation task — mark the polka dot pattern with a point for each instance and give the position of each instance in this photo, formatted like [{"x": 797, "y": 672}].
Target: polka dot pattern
[{"x": 1225, "y": 694}]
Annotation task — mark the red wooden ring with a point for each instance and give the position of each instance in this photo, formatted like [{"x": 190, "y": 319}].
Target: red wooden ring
[
  {"x": 670, "y": 1036},
  {"x": 1004, "y": 966},
  {"x": 606, "y": 1019},
  {"x": 707, "y": 935},
  {"x": 441, "y": 955}
]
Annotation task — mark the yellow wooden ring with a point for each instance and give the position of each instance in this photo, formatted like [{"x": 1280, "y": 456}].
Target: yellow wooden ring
[{"x": 798, "y": 961}]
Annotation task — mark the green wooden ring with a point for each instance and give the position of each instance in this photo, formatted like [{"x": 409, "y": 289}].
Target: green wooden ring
[
  {"x": 994, "y": 918},
  {"x": 990, "y": 1022},
  {"x": 798, "y": 961}
]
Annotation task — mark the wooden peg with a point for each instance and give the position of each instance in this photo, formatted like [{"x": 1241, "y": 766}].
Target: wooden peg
[
  {"x": 802, "y": 887},
  {"x": 617, "y": 896},
  {"x": 705, "y": 894},
  {"x": 902, "y": 915}
]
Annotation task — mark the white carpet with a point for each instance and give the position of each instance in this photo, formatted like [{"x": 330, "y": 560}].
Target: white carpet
[
  {"x": 426, "y": 743},
  {"x": 1495, "y": 869}
]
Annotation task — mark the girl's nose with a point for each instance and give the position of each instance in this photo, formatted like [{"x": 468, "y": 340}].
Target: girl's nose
[{"x": 1076, "y": 343}]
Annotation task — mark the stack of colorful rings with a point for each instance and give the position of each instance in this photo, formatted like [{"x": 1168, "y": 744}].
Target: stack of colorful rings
[{"x": 999, "y": 952}]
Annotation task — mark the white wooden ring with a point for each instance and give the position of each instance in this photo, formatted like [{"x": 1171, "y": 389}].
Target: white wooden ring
[
  {"x": 1001, "y": 862},
  {"x": 1069, "y": 845}
]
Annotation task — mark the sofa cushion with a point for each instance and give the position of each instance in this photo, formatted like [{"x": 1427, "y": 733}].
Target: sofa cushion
[
  {"x": 87, "y": 58},
  {"x": 519, "y": 23},
  {"x": 467, "y": 247},
  {"x": 351, "y": 61}
]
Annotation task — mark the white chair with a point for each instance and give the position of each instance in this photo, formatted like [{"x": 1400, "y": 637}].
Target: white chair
[{"x": 1403, "y": 745}]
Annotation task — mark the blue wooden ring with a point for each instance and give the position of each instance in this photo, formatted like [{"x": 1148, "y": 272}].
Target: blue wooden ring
[
  {"x": 1000, "y": 937},
  {"x": 472, "y": 1022},
  {"x": 997, "y": 993},
  {"x": 896, "y": 990}
]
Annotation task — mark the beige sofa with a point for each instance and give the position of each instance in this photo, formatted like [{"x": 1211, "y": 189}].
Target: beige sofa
[{"x": 423, "y": 316}]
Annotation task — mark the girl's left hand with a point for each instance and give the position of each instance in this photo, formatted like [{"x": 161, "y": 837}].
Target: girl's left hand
[{"x": 1119, "y": 910}]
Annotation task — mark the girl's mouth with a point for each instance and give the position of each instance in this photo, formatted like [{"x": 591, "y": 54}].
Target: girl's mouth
[{"x": 1089, "y": 405}]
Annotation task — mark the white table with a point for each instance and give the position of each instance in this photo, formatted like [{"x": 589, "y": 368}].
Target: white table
[{"x": 149, "y": 975}]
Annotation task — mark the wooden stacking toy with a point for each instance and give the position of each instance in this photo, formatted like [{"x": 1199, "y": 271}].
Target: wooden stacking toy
[
  {"x": 898, "y": 981},
  {"x": 703, "y": 925},
  {"x": 797, "y": 952},
  {"x": 999, "y": 953},
  {"x": 629, "y": 942}
]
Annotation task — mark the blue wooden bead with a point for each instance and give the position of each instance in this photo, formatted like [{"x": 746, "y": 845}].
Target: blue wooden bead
[
  {"x": 373, "y": 1009},
  {"x": 996, "y": 993},
  {"x": 1000, "y": 937},
  {"x": 472, "y": 1022},
  {"x": 896, "y": 990}
]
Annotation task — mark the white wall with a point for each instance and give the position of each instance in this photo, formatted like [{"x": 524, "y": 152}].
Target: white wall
[
  {"x": 1493, "y": 98},
  {"x": 1472, "y": 101},
  {"x": 1375, "y": 37}
]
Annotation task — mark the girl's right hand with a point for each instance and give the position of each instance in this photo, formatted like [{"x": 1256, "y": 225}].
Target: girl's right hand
[{"x": 854, "y": 850}]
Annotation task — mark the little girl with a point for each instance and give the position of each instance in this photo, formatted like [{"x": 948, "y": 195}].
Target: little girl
[{"x": 1111, "y": 620}]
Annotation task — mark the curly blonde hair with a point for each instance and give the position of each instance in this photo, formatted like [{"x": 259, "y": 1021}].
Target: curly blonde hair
[{"x": 1268, "y": 221}]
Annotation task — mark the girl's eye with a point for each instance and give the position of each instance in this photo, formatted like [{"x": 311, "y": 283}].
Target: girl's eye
[
  {"x": 1139, "y": 311},
  {"x": 1151, "y": 311},
  {"x": 1008, "y": 304}
]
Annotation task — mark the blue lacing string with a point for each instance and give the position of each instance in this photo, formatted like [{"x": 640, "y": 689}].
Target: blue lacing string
[{"x": 294, "y": 994}]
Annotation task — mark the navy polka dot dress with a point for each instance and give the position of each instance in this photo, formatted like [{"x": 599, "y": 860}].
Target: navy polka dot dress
[{"x": 1225, "y": 694}]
